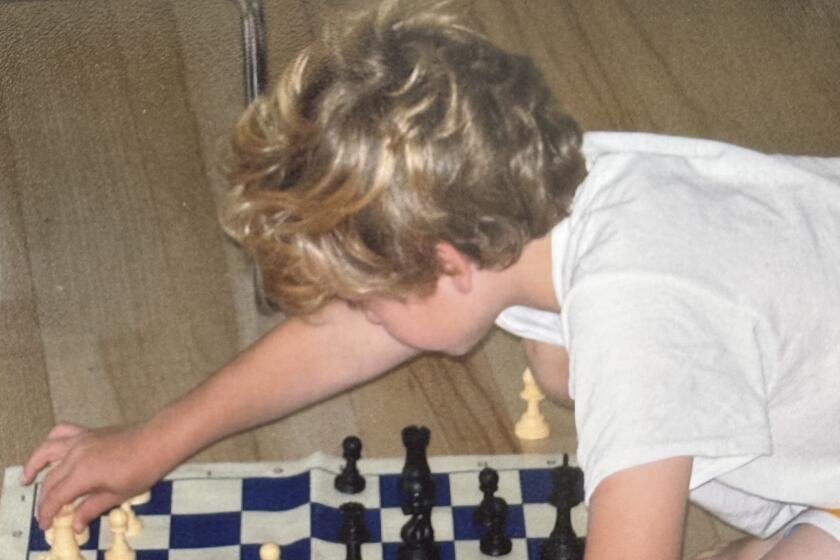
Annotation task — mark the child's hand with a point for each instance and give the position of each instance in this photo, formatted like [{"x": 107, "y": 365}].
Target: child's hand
[{"x": 105, "y": 466}]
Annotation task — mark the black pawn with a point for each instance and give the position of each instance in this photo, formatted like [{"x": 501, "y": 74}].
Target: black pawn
[
  {"x": 563, "y": 543},
  {"x": 488, "y": 482},
  {"x": 350, "y": 481},
  {"x": 353, "y": 531},
  {"x": 495, "y": 541}
]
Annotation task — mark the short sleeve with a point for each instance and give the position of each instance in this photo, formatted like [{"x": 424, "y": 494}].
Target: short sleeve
[
  {"x": 534, "y": 324},
  {"x": 663, "y": 368}
]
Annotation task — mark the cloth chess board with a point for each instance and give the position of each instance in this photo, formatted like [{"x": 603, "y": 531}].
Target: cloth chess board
[{"x": 226, "y": 511}]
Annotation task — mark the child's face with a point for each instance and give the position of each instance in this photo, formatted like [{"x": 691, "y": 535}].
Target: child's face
[{"x": 441, "y": 322}]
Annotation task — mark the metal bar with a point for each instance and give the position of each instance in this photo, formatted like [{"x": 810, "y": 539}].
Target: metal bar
[{"x": 252, "y": 16}]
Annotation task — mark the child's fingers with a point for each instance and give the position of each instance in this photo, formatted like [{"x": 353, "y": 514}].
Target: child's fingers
[
  {"x": 50, "y": 451},
  {"x": 65, "y": 429},
  {"x": 92, "y": 506},
  {"x": 54, "y": 493}
]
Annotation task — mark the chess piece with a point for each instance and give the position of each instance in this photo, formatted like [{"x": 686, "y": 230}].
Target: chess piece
[
  {"x": 416, "y": 440},
  {"x": 81, "y": 538},
  {"x": 119, "y": 549},
  {"x": 495, "y": 541},
  {"x": 488, "y": 482},
  {"x": 65, "y": 545},
  {"x": 563, "y": 543},
  {"x": 269, "y": 551},
  {"x": 532, "y": 424},
  {"x": 353, "y": 531},
  {"x": 350, "y": 481},
  {"x": 418, "y": 535},
  {"x": 135, "y": 524}
]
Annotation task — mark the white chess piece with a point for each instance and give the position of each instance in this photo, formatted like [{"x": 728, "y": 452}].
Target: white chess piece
[
  {"x": 119, "y": 549},
  {"x": 81, "y": 538},
  {"x": 269, "y": 551},
  {"x": 64, "y": 541},
  {"x": 135, "y": 524},
  {"x": 532, "y": 424}
]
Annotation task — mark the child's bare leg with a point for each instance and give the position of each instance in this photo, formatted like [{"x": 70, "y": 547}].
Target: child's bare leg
[
  {"x": 805, "y": 542},
  {"x": 747, "y": 548}
]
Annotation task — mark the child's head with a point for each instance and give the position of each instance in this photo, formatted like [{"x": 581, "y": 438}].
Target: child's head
[{"x": 384, "y": 139}]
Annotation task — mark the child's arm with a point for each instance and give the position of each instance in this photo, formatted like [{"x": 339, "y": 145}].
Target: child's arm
[
  {"x": 640, "y": 512},
  {"x": 550, "y": 365},
  {"x": 295, "y": 365}
]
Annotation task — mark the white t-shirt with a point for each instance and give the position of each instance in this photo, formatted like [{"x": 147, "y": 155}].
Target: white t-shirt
[{"x": 700, "y": 287}]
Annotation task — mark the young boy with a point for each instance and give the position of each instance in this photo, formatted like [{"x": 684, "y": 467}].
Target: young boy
[{"x": 408, "y": 183}]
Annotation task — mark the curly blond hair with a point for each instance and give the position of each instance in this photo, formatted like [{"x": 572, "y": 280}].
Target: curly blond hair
[{"x": 389, "y": 135}]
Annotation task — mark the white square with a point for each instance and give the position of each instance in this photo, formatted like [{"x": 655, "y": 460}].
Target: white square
[
  {"x": 471, "y": 550},
  {"x": 153, "y": 536},
  {"x": 323, "y": 491},
  {"x": 540, "y": 519},
  {"x": 465, "y": 489},
  {"x": 580, "y": 520},
  {"x": 206, "y": 496},
  {"x": 86, "y": 554},
  {"x": 443, "y": 524},
  {"x": 393, "y": 519},
  {"x": 281, "y": 527},
  {"x": 218, "y": 553}
]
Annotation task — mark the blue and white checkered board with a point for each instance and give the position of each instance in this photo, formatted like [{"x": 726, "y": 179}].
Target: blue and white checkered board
[{"x": 226, "y": 511}]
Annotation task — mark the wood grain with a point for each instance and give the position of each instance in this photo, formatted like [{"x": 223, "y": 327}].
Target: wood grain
[{"x": 118, "y": 291}]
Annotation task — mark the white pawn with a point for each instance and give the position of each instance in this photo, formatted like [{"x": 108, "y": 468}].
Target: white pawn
[
  {"x": 532, "y": 424},
  {"x": 119, "y": 549},
  {"x": 135, "y": 524},
  {"x": 269, "y": 551},
  {"x": 64, "y": 543}
]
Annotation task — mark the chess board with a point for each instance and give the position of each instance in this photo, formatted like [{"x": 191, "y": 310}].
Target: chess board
[{"x": 226, "y": 511}]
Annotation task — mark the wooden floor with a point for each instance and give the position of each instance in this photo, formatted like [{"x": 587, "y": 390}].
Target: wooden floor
[{"x": 118, "y": 292}]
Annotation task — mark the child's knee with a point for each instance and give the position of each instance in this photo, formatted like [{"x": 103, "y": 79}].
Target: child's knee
[{"x": 805, "y": 541}]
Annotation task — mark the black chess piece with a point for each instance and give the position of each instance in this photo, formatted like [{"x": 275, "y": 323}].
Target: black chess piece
[
  {"x": 353, "y": 531},
  {"x": 495, "y": 541},
  {"x": 416, "y": 440},
  {"x": 488, "y": 482},
  {"x": 350, "y": 481},
  {"x": 418, "y": 535},
  {"x": 563, "y": 543}
]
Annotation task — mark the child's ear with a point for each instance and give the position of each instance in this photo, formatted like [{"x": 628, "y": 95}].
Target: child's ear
[{"x": 456, "y": 265}]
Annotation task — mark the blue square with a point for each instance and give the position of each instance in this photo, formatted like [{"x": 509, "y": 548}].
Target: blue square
[
  {"x": 443, "y": 496},
  {"x": 37, "y": 539},
  {"x": 465, "y": 527},
  {"x": 534, "y": 548},
  {"x": 447, "y": 550},
  {"x": 161, "y": 502},
  {"x": 275, "y": 494},
  {"x": 389, "y": 491},
  {"x": 536, "y": 485},
  {"x": 298, "y": 550},
  {"x": 326, "y": 522},
  {"x": 205, "y": 530},
  {"x": 145, "y": 555},
  {"x": 535, "y": 544}
]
